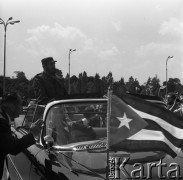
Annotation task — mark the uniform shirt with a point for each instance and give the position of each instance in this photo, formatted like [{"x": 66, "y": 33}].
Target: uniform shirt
[{"x": 48, "y": 87}]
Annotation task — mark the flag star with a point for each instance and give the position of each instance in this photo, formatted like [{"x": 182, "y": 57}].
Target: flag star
[{"x": 124, "y": 121}]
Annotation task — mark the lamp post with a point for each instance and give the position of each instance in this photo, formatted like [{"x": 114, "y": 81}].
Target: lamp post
[
  {"x": 169, "y": 57},
  {"x": 9, "y": 21},
  {"x": 70, "y": 51}
]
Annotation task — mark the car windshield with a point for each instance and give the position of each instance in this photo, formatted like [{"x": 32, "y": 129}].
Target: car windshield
[{"x": 76, "y": 122}]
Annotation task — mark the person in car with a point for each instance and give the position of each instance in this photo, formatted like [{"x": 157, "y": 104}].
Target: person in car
[
  {"x": 90, "y": 117},
  {"x": 49, "y": 85},
  {"x": 62, "y": 132},
  {"x": 179, "y": 110},
  {"x": 171, "y": 101},
  {"x": 10, "y": 108}
]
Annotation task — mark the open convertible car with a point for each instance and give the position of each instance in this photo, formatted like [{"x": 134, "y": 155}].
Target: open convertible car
[{"x": 69, "y": 145}]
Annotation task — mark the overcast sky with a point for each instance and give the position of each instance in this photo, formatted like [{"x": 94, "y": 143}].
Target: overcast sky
[{"x": 126, "y": 37}]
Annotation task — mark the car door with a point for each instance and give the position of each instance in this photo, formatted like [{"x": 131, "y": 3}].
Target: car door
[
  {"x": 24, "y": 165},
  {"x": 68, "y": 156},
  {"x": 81, "y": 157}
]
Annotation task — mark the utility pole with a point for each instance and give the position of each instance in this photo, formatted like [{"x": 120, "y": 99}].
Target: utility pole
[
  {"x": 69, "y": 84},
  {"x": 9, "y": 21}
]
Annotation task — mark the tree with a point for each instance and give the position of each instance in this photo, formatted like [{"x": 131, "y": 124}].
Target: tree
[
  {"x": 106, "y": 82},
  {"x": 67, "y": 82},
  {"x": 98, "y": 83},
  {"x": 80, "y": 82},
  {"x": 59, "y": 73},
  {"x": 20, "y": 75},
  {"x": 31, "y": 94},
  {"x": 119, "y": 87},
  {"x": 155, "y": 83},
  {"x": 1, "y": 86},
  {"x": 19, "y": 84},
  {"x": 148, "y": 87},
  {"x": 90, "y": 88},
  {"x": 132, "y": 85},
  {"x": 173, "y": 84},
  {"x": 84, "y": 80},
  {"x": 74, "y": 85},
  {"x": 109, "y": 79}
]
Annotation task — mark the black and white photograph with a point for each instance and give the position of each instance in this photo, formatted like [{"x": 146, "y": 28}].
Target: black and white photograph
[{"x": 91, "y": 89}]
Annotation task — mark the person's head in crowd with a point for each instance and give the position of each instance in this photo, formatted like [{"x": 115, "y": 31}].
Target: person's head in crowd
[
  {"x": 11, "y": 103},
  {"x": 89, "y": 112},
  {"x": 49, "y": 65},
  {"x": 103, "y": 110},
  {"x": 181, "y": 98},
  {"x": 170, "y": 98}
]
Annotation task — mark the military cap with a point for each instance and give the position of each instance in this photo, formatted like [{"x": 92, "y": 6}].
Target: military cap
[{"x": 47, "y": 60}]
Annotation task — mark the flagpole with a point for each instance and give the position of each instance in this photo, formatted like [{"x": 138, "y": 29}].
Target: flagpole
[{"x": 109, "y": 95}]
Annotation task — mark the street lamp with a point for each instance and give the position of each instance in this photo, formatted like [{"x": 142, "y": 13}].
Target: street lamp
[
  {"x": 169, "y": 57},
  {"x": 9, "y": 21},
  {"x": 70, "y": 51}
]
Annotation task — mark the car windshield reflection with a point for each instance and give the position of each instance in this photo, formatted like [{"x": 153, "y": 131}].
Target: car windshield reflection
[{"x": 76, "y": 122}]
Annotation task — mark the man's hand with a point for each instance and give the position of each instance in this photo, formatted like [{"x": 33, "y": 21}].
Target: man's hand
[
  {"x": 35, "y": 128},
  {"x": 85, "y": 121}
]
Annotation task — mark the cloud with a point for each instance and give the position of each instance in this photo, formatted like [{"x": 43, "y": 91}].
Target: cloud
[
  {"x": 156, "y": 49},
  {"x": 117, "y": 26},
  {"x": 42, "y": 39},
  {"x": 172, "y": 27},
  {"x": 88, "y": 44},
  {"x": 109, "y": 52},
  {"x": 57, "y": 30},
  {"x": 158, "y": 8}
]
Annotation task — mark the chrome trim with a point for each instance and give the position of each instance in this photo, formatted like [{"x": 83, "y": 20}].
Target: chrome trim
[
  {"x": 49, "y": 105},
  {"x": 94, "y": 146}
]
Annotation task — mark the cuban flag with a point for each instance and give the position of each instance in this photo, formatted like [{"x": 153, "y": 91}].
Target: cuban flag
[
  {"x": 164, "y": 130},
  {"x": 124, "y": 121}
]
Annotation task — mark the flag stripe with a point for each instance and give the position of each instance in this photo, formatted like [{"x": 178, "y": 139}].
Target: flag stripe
[
  {"x": 175, "y": 131},
  {"x": 154, "y": 110},
  {"x": 170, "y": 134},
  {"x": 133, "y": 146},
  {"x": 153, "y": 126},
  {"x": 154, "y": 136}
]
